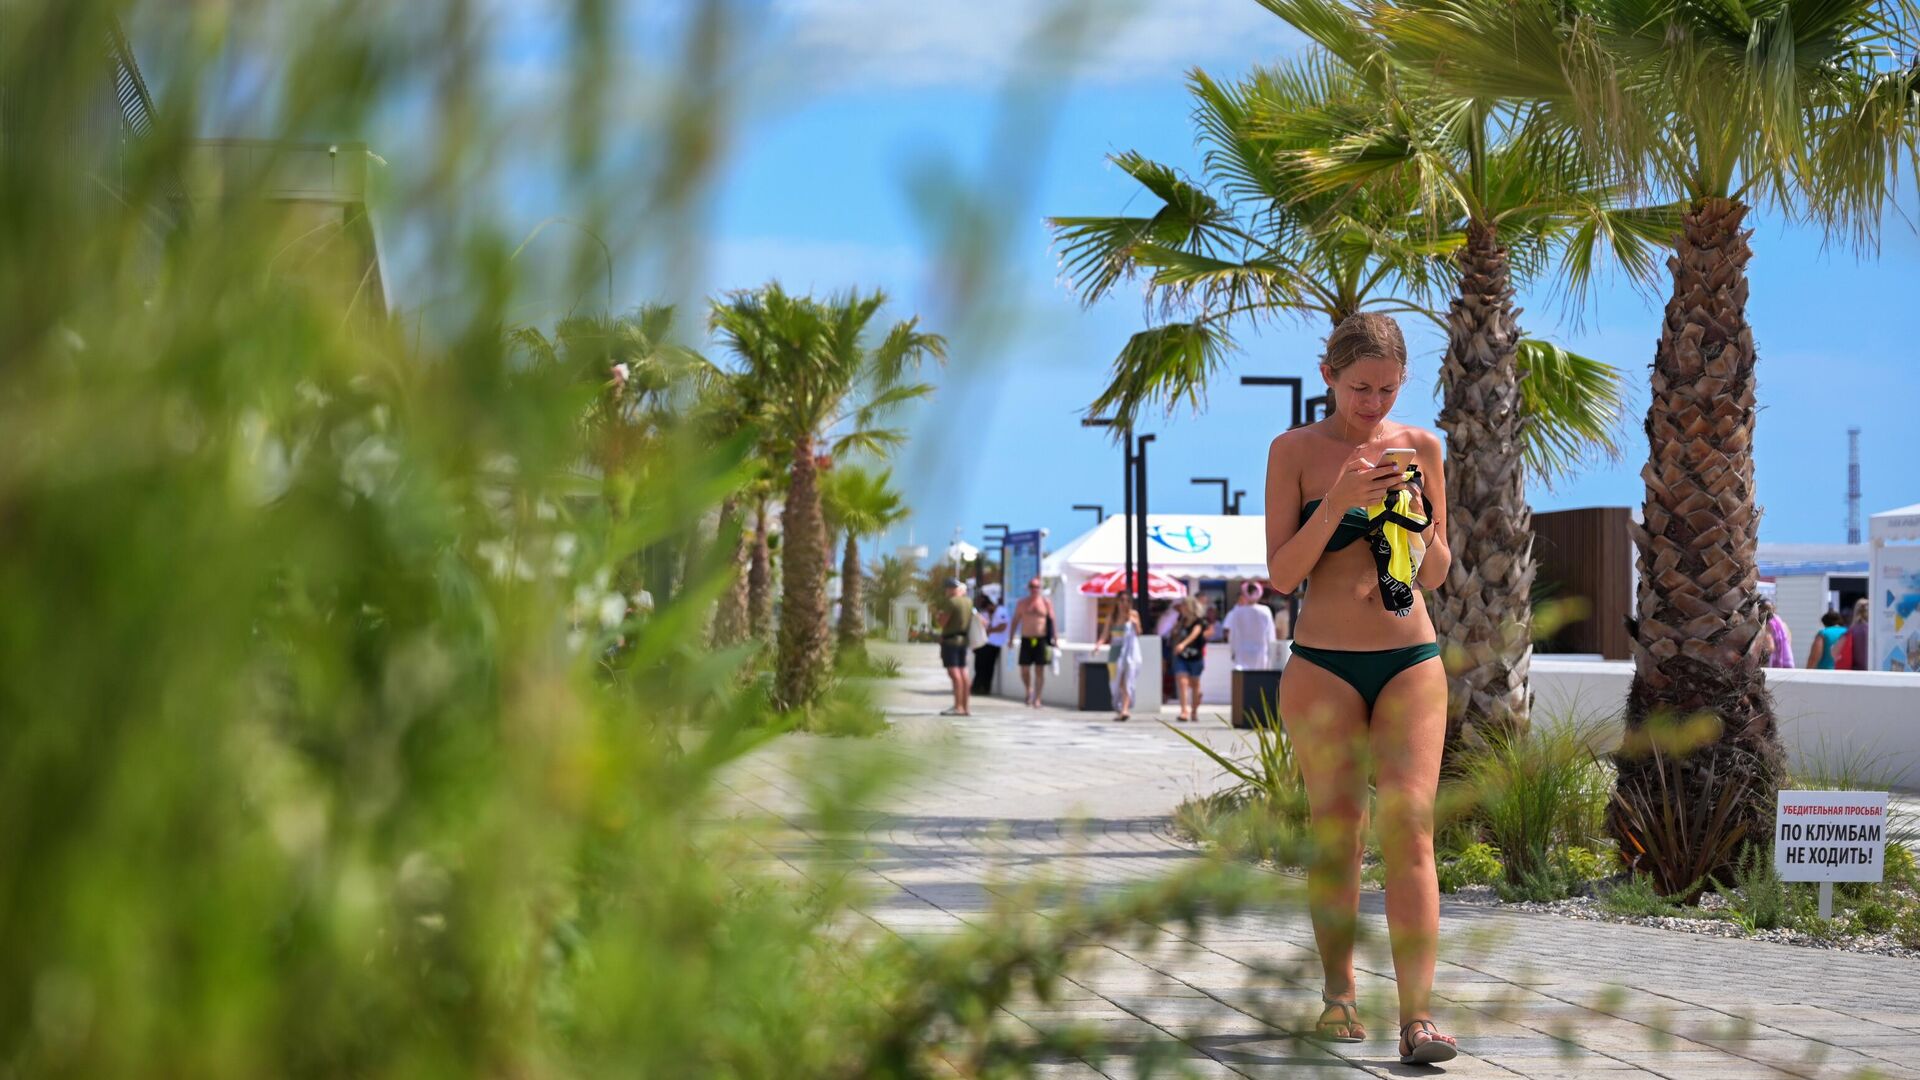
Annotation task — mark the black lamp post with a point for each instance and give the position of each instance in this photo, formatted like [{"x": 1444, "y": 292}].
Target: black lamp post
[
  {"x": 1134, "y": 488},
  {"x": 1140, "y": 590},
  {"x": 1303, "y": 408},
  {"x": 1226, "y": 504},
  {"x": 1099, "y": 511},
  {"x": 1237, "y": 496}
]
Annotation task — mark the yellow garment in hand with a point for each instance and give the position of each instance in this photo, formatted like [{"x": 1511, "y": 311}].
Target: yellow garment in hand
[{"x": 1395, "y": 521}]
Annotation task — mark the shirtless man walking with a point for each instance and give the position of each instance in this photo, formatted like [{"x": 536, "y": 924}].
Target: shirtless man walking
[{"x": 1030, "y": 617}]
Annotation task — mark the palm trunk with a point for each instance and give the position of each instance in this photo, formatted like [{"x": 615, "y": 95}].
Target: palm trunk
[
  {"x": 1698, "y": 646},
  {"x": 804, "y": 647},
  {"x": 694, "y": 564},
  {"x": 852, "y": 632},
  {"x": 731, "y": 613},
  {"x": 1483, "y": 615},
  {"x": 759, "y": 576}
]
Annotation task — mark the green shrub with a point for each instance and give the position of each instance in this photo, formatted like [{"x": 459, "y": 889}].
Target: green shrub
[
  {"x": 1636, "y": 897},
  {"x": 1583, "y": 863},
  {"x": 1900, "y": 868},
  {"x": 310, "y": 764},
  {"x": 1759, "y": 899},
  {"x": 1475, "y": 864},
  {"x": 1552, "y": 881},
  {"x": 1270, "y": 776},
  {"x": 1906, "y": 928},
  {"x": 1874, "y": 916},
  {"x": 1535, "y": 792}
]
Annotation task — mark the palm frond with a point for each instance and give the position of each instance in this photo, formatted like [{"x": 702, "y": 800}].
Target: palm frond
[
  {"x": 1574, "y": 405},
  {"x": 1162, "y": 365}
]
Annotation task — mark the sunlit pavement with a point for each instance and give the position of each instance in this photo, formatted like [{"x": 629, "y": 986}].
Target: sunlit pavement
[{"x": 1012, "y": 793}]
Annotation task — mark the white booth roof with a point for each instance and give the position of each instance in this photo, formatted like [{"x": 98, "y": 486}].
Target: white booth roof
[
  {"x": 1793, "y": 560},
  {"x": 1896, "y": 525},
  {"x": 1178, "y": 545}
]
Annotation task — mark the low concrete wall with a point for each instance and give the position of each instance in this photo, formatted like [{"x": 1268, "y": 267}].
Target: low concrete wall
[
  {"x": 1061, "y": 691},
  {"x": 1829, "y": 716}
]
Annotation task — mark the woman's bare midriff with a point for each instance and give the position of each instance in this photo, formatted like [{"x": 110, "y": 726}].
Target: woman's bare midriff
[{"x": 1342, "y": 608}]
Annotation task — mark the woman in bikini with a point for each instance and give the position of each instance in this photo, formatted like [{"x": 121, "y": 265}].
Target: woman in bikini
[{"x": 1365, "y": 684}]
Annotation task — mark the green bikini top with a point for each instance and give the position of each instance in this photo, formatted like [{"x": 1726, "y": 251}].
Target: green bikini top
[{"x": 1353, "y": 525}]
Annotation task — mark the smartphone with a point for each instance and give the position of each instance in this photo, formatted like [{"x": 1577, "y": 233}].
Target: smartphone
[{"x": 1397, "y": 455}]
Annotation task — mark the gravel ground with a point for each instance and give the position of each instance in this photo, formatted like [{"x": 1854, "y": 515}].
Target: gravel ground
[
  {"x": 1842, "y": 938},
  {"x": 1586, "y": 907}
]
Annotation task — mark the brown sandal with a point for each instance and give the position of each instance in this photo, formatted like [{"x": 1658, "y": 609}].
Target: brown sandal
[
  {"x": 1326, "y": 1030},
  {"x": 1429, "y": 1051}
]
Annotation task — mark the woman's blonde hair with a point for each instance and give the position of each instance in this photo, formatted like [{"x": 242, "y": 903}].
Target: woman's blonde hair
[{"x": 1360, "y": 336}]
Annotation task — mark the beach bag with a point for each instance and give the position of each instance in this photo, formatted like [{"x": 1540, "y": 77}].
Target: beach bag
[
  {"x": 1843, "y": 652},
  {"x": 976, "y": 633}
]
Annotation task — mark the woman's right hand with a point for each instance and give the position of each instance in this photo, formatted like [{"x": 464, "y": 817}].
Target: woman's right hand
[{"x": 1361, "y": 483}]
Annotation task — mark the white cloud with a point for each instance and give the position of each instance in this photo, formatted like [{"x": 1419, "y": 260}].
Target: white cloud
[{"x": 983, "y": 42}]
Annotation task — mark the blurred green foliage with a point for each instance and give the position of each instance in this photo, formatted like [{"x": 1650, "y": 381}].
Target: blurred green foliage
[{"x": 332, "y": 742}]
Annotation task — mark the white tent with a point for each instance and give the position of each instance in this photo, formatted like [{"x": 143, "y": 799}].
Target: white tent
[
  {"x": 1178, "y": 545},
  {"x": 1894, "y": 633}
]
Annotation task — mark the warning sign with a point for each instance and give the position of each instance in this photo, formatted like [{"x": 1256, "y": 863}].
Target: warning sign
[{"x": 1830, "y": 835}]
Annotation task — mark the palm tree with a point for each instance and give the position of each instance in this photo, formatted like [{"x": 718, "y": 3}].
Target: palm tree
[
  {"x": 1517, "y": 190},
  {"x": 889, "y": 580},
  {"x": 1286, "y": 256},
  {"x": 859, "y": 503},
  {"x": 647, "y": 386},
  {"x": 729, "y": 410},
  {"x": 824, "y": 385},
  {"x": 1805, "y": 105},
  {"x": 760, "y": 566},
  {"x": 1357, "y": 200}
]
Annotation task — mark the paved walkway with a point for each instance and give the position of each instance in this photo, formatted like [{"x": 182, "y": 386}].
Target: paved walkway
[{"x": 1016, "y": 792}]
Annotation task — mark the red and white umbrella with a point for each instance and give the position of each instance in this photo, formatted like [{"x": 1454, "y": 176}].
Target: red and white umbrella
[{"x": 1115, "y": 582}]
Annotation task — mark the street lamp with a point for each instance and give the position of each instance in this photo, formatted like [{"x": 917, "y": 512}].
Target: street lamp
[
  {"x": 1237, "y": 496},
  {"x": 1140, "y": 524},
  {"x": 1226, "y": 504},
  {"x": 1303, "y": 407},
  {"x": 1134, "y": 488},
  {"x": 1099, "y": 512}
]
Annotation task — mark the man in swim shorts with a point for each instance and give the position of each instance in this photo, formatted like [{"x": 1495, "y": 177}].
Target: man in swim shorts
[{"x": 1032, "y": 622}]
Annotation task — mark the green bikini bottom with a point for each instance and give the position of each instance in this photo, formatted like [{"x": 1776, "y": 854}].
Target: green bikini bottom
[{"x": 1367, "y": 672}]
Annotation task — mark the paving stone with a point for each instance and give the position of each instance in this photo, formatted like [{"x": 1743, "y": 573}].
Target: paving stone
[{"x": 1011, "y": 796}]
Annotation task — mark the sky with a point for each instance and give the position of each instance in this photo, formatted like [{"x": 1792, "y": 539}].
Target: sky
[
  {"x": 860, "y": 120},
  {"x": 818, "y": 195}
]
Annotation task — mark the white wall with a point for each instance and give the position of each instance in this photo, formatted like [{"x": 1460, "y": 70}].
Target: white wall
[
  {"x": 1801, "y": 599},
  {"x": 1823, "y": 715},
  {"x": 908, "y": 613},
  {"x": 1061, "y": 691}
]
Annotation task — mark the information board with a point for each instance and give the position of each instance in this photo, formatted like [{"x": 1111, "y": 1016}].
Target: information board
[
  {"x": 1022, "y": 561},
  {"x": 1893, "y": 640},
  {"x": 1830, "y": 835}
]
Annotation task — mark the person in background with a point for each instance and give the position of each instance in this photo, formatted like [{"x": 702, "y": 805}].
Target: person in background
[
  {"x": 1122, "y": 642},
  {"x": 986, "y": 658},
  {"x": 1190, "y": 656},
  {"x": 1033, "y": 623},
  {"x": 1857, "y": 635},
  {"x": 1250, "y": 630},
  {"x": 1822, "y": 655},
  {"x": 1163, "y": 629},
  {"x": 954, "y": 615},
  {"x": 1780, "y": 655}
]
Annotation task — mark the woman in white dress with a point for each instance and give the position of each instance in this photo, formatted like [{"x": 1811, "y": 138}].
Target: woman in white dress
[{"x": 1123, "y": 658}]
